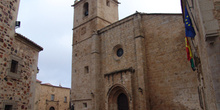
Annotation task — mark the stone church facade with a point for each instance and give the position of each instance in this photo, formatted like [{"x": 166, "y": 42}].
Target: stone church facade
[
  {"x": 137, "y": 63},
  {"x": 18, "y": 62},
  {"x": 50, "y": 97}
]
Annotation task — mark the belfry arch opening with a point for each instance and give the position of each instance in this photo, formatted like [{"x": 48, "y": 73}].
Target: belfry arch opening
[
  {"x": 86, "y": 9},
  {"x": 118, "y": 98},
  {"x": 52, "y": 108}
]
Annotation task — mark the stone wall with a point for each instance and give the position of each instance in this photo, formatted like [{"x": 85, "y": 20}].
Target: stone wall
[
  {"x": 169, "y": 82},
  {"x": 43, "y": 97},
  {"x": 37, "y": 95},
  {"x": 85, "y": 90},
  {"x": 172, "y": 83},
  {"x": 118, "y": 72},
  {"x": 153, "y": 71},
  {"x": 17, "y": 86}
]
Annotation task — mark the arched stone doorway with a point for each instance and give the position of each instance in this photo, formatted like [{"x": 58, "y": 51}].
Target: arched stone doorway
[
  {"x": 52, "y": 108},
  {"x": 118, "y": 98}
]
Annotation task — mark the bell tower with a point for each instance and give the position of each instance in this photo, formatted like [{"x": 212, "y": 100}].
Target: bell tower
[
  {"x": 89, "y": 17},
  {"x": 92, "y": 15}
]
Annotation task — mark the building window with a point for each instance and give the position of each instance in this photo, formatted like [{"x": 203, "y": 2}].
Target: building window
[
  {"x": 107, "y": 2},
  {"x": 8, "y": 107},
  {"x": 120, "y": 52},
  {"x": 65, "y": 99},
  {"x": 8, "y": 104},
  {"x": 52, "y": 108},
  {"x": 52, "y": 97},
  {"x": 85, "y": 105},
  {"x": 14, "y": 66},
  {"x": 86, "y": 9},
  {"x": 86, "y": 69}
]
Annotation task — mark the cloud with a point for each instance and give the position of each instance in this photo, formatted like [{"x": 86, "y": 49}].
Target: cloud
[
  {"x": 127, "y": 8},
  {"x": 49, "y": 24}
]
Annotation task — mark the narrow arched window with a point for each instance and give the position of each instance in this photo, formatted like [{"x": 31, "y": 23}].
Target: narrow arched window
[
  {"x": 107, "y": 2},
  {"x": 86, "y": 9},
  {"x": 52, "y": 108}
]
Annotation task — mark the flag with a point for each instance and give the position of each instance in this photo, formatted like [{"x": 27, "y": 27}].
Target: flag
[
  {"x": 189, "y": 54},
  {"x": 190, "y": 32}
]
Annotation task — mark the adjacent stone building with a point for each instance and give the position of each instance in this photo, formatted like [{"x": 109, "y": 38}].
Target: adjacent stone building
[
  {"x": 139, "y": 62},
  {"x": 205, "y": 16},
  {"x": 49, "y": 97},
  {"x": 18, "y": 62}
]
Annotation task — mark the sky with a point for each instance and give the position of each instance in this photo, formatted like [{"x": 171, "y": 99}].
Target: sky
[{"x": 49, "y": 23}]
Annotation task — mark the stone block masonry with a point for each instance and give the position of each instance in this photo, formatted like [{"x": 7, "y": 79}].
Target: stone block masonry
[
  {"x": 140, "y": 62},
  {"x": 18, "y": 61}
]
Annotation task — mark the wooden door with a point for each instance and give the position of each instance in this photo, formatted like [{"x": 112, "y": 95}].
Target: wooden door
[{"x": 122, "y": 102}]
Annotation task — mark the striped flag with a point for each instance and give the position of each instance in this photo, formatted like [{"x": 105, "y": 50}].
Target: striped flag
[
  {"x": 189, "y": 54},
  {"x": 190, "y": 32}
]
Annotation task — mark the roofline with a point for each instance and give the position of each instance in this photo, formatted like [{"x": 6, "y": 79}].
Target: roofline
[
  {"x": 38, "y": 81},
  {"x": 28, "y": 41},
  {"x": 128, "y": 18},
  {"x": 75, "y": 3},
  {"x": 116, "y": 2},
  {"x": 55, "y": 86},
  {"x": 83, "y": 0},
  {"x": 115, "y": 23},
  {"x": 161, "y": 13}
]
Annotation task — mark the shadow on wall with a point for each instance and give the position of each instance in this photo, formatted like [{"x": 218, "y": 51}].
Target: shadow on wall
[{"x": 159, "y": 104}]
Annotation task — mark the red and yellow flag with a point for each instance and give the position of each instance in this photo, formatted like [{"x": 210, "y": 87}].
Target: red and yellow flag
[
  {"x": 188, "y": 49},
  {"x": 189, "y": 54}
]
